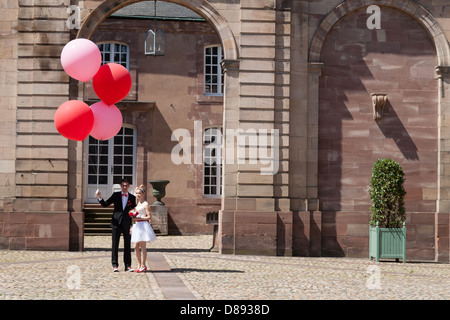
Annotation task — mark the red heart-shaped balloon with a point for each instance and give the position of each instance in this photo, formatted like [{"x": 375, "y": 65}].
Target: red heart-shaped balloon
[{"x": 112, "y": 83}]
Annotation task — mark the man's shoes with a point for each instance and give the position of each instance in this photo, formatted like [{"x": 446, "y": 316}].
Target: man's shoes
[{"x": 128, "y": 269}]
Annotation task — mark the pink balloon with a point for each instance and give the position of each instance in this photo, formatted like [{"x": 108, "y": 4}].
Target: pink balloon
[
  {"x": 107, "y": 121},
  {"x": 81, "y": 59}
]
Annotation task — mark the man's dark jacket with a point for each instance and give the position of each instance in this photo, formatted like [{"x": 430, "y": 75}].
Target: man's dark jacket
[{"x": 120, "y": 215}]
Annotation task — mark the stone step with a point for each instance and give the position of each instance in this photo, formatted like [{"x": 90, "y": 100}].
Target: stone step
[{"x": 97, "y": 219}]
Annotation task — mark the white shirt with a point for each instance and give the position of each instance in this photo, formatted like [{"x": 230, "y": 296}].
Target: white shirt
[{"x": 124, "y": 200}]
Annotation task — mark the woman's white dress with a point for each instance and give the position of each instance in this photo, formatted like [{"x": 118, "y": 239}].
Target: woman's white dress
[{"x": 142, "y": 230}]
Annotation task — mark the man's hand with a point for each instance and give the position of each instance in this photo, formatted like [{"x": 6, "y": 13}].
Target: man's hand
[{"x": 98, "y": 194}]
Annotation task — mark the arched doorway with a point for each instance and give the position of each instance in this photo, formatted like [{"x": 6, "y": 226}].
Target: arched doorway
[
  {"x": 357, "y": 62},
  {"x": 168, "y": 94}
]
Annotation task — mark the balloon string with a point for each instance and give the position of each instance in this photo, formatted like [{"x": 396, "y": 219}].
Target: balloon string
[
  {"x": 96, "y": 173},
  {"x": 98, "y": 163}
]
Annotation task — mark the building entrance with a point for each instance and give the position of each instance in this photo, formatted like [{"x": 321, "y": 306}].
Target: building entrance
[{"x": 110, "y": 161}]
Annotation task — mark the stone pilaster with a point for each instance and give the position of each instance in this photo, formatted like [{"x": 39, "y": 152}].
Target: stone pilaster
[
  {"x": 8, "y": 102},
  {"x": 312, "y": 192},
  {"x": 229, "y": 169},
  {"x": 41, "y": 153},
  {"x": 261, "y": 185},
  {"x": 298, "y": 108},
  {"x": 263, "y": 92},
  {"x": 442, "y": 223}
]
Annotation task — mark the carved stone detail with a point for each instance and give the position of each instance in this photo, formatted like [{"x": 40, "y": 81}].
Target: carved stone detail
[{"x": 379, "y": 101}]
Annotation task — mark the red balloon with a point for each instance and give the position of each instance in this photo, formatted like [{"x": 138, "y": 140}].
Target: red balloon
[
  {"x": 112, "y": 83},
  {"x": 74, "y": 120}
]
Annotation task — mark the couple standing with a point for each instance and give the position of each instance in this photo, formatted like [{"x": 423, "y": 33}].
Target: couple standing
[{"x": 121, "y": 222}]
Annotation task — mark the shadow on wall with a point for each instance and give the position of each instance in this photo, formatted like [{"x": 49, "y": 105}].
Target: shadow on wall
[{"x": 392, "y": 128}]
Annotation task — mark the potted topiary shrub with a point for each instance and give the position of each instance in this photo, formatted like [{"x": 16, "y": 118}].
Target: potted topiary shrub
[{"x": 387, "y": 230}]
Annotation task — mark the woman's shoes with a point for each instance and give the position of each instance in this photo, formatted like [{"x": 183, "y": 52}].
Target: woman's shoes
[{"x": 142, "y": 269}]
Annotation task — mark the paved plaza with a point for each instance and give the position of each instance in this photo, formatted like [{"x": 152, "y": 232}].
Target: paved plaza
[{"x": 182, "y": 267}]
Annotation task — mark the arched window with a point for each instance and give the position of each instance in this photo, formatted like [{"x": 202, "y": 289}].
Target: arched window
[
  {"x": 212, "y": 162},
  {"x": 115, "y": 52},
  {"x": 213, "y": 71}
]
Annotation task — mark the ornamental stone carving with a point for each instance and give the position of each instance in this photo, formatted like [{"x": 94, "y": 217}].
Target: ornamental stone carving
[{"x": 378, "y": 102}]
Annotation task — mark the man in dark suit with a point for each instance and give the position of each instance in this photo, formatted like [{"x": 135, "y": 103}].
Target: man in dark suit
[{"x": 120, "y": 223}]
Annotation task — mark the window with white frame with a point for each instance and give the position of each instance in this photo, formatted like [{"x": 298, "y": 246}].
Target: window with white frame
[
  {"x": 213, "y": 71},
  {"x": 212, "y": 163},
  {"x": 110, "y": 161},
  {"x": 115, "y": 52}
]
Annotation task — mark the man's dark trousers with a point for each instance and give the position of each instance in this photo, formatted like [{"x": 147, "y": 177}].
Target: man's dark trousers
[{"x": 120, "y": 223}]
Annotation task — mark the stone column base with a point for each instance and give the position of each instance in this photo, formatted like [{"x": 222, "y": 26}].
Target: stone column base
[{"x": 159, "y": 219}]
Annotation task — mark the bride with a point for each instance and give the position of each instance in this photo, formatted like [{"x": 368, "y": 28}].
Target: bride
[{"x": 141, "y": 232}]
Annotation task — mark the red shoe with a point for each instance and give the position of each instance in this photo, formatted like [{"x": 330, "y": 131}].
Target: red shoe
[{"x": 144, "y": 269}]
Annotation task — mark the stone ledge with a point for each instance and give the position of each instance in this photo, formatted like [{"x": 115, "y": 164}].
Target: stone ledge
[{"x": 36, "y": 231}]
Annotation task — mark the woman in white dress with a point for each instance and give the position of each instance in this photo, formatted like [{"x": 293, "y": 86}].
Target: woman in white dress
[{"x": 141, "y": 232}]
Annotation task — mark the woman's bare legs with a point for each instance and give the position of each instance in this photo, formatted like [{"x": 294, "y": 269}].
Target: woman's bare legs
[
  {"x": 144, "y": 254},
  {"x": 138, "y": 254}
]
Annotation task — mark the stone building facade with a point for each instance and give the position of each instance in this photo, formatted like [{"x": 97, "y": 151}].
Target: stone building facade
[{"x": 302, "y": 72}]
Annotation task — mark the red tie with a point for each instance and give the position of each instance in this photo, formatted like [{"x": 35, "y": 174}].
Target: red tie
[{"x": 124, "y": 195}]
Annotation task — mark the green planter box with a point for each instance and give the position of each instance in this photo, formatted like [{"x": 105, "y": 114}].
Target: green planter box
[{"x": 387, "y": 243}]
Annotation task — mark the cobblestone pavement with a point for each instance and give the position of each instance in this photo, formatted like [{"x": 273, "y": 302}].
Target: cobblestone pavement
[{"x": 183, "y": 268}]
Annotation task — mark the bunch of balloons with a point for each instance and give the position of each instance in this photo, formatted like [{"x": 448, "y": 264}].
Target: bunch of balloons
[{"x": 74, "y": 119}]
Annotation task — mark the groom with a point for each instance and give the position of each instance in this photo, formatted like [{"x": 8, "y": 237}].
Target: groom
[{"x": 120, "y": 223}]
